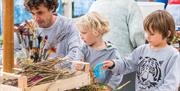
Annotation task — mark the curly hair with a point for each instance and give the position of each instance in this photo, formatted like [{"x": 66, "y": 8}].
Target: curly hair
[
  {"x": 50, "y": 4},
  {"x": 94, "y": 21}
]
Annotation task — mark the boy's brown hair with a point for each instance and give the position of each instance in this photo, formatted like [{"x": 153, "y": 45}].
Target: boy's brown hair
[
  {"x": 50, "y": 4},
  {"x": 94, "y": 22},
  {"x": 160, "y": 21}
]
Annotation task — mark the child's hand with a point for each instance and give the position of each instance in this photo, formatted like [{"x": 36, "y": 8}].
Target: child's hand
[
  {"x": 108, "y": 64},
  {"x": 79, "y": 66},
  {"x": 109, "y": 89}
]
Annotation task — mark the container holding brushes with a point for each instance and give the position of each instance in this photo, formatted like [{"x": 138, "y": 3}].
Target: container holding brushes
[{"x": 32, "y": 46}]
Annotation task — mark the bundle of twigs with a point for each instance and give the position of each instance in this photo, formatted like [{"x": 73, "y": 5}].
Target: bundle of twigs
[
  {"x": 176, "y": 39},
  {"x": 42, "y": 72}
]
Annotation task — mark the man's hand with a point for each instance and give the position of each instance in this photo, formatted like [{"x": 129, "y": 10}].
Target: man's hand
[{"x": 20, "y": 28}]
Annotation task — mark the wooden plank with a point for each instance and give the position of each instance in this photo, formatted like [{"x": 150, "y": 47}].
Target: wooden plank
[
  {"x": 64, "y": 84},
  {"x": 14, "y": 69},
  {"x": 22, "y": 83},
  {"x": 9, "y": 88},
  {"x": 87, "y": 65},
  {"x": 8, "y": 35},
  {"x": 22, "y": 80},
  {"x": 10, "y": 75},
  {"x": 81, "y": 79}
]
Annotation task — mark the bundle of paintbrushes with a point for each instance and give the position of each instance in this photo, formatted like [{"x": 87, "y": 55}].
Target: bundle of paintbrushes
[
  {"x": 32, "y": 44},
  {"x": 41, "y": 72}
]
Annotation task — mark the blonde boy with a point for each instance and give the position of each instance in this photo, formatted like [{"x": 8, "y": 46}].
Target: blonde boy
[{"x": 92, "y": 27}]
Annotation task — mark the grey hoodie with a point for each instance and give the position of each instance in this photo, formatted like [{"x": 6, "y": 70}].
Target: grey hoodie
[
  {"x": 94, "y": 57},
  {"x": 156, "y": 70}
]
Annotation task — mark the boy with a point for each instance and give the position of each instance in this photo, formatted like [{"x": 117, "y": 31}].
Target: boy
[
  {"x": 157, "y": 63},
  {"x": 92, "y": 27}
]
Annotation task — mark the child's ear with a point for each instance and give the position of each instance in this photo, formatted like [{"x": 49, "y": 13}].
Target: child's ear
[
  {"x": 169, "y": 33},
  {"x": 96, "y": 33}
]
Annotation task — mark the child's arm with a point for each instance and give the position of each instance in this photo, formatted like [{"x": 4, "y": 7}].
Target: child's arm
[
  {"x": 172, "y": 79},
  {"x": 123, "y": 65}
]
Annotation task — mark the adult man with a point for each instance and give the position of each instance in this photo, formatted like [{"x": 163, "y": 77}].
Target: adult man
[
  {"x": 126, "y": 26},
  {"x": 59, "y": 31}
]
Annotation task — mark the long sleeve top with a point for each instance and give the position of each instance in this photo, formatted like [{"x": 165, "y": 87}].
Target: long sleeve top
[
  {"x": 94, "y": 57},
  {"x": 156, "y": 70}
]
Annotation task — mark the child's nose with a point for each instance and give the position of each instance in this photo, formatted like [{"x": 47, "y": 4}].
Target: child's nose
[{"x": 81, "y": 36}]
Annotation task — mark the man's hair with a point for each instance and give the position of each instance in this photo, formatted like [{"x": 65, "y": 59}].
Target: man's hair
[
  {"x": 50, "y": 4},
  {"x": 94, "y": 22},
  {"x": 160, "y": 21}
]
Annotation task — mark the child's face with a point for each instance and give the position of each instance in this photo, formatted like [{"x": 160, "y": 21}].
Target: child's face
[
  {"x": 155, "y": 39},
  {"x": 87, "y": 36}
]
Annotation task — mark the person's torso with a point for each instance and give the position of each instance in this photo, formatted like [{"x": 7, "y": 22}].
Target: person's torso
[
  {"x": 58, "y": 35},
  {"x": 153, "y": 66},
  {"x": 95, "y": 57}
]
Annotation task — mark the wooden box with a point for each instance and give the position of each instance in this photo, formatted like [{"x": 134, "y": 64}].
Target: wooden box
[{"x": 80, "y": 79}]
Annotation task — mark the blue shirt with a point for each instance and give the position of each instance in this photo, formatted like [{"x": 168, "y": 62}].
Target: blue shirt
[
  {"x": 81, "y": 6},
  {"x": 162, "y": 1}
]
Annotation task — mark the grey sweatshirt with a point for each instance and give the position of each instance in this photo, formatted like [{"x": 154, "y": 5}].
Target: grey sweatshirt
[
  {"x": 126, "y": 23},
  {"x": 94, "y": 57},
  {"x": 64, "y": 36},
  {"x": 156, "y": 70}
]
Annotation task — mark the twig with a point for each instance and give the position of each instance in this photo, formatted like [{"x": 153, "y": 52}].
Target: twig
[{"x": 120, "y": 87}]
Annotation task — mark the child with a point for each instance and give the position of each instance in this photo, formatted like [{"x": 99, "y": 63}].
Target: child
[
  {"x": 92, "y": 27},
  {"x": 156, "y": 64}
]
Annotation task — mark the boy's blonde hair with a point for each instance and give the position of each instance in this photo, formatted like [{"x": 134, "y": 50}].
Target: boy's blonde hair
[
  {"x": 162, "y": 22},
  {"x": 93, "y": 21}
]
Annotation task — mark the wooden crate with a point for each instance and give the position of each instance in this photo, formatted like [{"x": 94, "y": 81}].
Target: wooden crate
[{"x": 81, "y": 78}]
